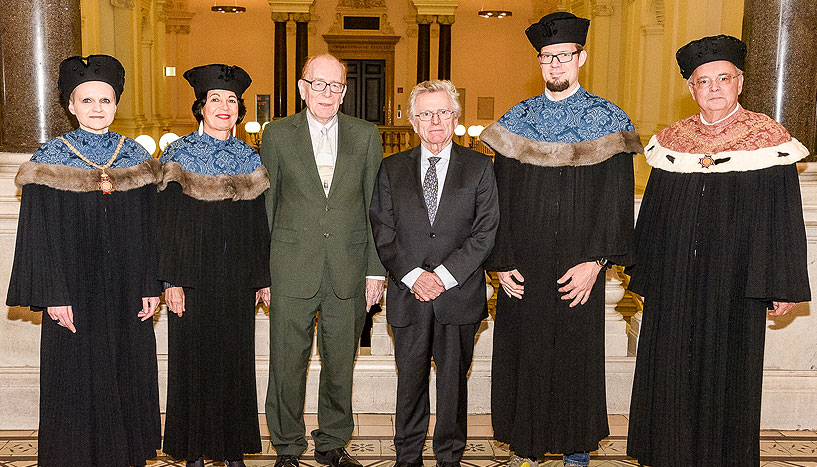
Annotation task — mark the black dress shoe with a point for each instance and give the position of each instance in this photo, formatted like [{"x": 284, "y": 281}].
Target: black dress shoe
[
  {"x": 337, "y": 457},
  {"x": 448, "y": 464},
  {"x": 196, "y": 463},
  {"x": 286, "y": 460},
  {"x": 235, "y": 463}
]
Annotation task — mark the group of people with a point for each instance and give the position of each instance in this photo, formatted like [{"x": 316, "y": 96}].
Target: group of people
[{"x": 314, "y": 226}]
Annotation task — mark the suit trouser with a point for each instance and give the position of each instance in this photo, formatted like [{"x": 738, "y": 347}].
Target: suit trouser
[
  {"x": 452, "y": 347},
  {"x": 292, "y": 327}
]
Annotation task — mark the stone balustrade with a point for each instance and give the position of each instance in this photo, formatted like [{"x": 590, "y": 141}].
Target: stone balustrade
[{"x": 397, "y": 138}]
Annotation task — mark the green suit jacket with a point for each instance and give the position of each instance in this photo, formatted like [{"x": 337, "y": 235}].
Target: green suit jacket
[{"x": 309, "y": 230}]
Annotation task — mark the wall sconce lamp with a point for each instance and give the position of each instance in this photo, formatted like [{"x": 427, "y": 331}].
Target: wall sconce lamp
[
  {"x": 474, "y": 131},
  {"x": 147, "y": 142},
  {"x": 253, "y": 129},
  {"x": 166, "y": 139}
]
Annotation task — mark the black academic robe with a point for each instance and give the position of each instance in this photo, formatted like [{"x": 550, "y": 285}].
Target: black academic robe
[
  {"x": 548, "y": 388},
  {"x": 713, "y": 251},
  {"x": 99, "y": 396},
  {"x": 214, "y": 242}
]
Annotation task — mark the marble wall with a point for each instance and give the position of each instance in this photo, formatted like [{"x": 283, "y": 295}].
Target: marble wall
[{"x": 790, "y": 376}]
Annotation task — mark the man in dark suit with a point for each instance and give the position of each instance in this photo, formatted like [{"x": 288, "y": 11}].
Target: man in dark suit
[
  {"x": 434, "y": 214},
  {"x": 322, "y": 167}
]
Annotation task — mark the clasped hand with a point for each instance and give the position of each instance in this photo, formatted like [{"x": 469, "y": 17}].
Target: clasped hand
[{"x": 427, "y": 287}]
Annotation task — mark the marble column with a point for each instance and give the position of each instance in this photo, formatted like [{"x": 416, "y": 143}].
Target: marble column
[
  {"x": 424, "y": 47},
  {"x": 301, "y": 53},
  {"x": 781, "y": 64},
  {"x": 279, "y": 65},
  {"x": 444, "y": 55},
  {"x": 36, "y": 35}
]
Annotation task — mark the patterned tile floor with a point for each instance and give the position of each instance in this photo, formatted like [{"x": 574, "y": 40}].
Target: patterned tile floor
[{"x": 372, "y": 444}]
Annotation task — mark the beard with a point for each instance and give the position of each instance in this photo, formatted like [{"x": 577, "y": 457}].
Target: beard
[{"x": 557, "y": 86}]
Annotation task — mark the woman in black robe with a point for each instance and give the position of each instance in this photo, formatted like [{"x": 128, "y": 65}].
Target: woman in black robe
[
  {"x": 214, "y": 250},
  {"x": 86, "y": 254}
]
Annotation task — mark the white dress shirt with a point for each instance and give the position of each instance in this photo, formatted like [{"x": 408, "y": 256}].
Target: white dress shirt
[
  {"x": 703, "y": 120},
  {"x": 442, "y": 170},
  {"x": 315, "y": 128},
  {"x": 551, "y": 98}
]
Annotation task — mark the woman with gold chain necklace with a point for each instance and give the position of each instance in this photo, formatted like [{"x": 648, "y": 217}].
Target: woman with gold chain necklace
[{"x": 86, "y": 255}]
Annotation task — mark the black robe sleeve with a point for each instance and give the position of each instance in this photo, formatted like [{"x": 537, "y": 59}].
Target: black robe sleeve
[
  {"x": 37, "y": 279},
  {"x": 197, "y": 236},
  {"x": 72, "y": 244},
  {"x": 749, "y": 223},
  {"x": 777, "y": 249},
  {"x": 585, "y": 212},
  {"x": 605, "y": 194},
  {"x": 502, "y": 256}
]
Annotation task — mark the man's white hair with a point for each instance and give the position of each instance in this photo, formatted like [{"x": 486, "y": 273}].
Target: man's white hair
[{"x": 434, "y": 85}]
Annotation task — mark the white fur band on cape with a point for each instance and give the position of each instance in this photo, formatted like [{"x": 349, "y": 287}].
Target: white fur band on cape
[{"x": 662, "y": 158}]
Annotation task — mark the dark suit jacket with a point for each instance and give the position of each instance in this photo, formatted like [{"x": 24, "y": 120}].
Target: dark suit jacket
[
  {"x": 310, "y": 230},
  {"x": 461, "y": 238}
]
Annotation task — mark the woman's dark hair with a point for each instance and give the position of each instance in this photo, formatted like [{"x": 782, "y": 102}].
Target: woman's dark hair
[{"x": 198, "y": 104}]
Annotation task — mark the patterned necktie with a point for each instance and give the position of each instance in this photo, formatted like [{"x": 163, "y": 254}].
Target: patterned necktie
[
  {"x": 430, "y": 186},
  {"x": 325, "y": 161}
]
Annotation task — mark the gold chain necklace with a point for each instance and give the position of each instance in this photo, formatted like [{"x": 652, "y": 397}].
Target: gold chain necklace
[{"x": 105, "y": 184}]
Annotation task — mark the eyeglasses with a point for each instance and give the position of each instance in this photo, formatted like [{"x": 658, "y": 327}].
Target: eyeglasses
[
  {"x": 320, "y": 85},
  {"x": 722, "y": 80},
  {"x": 564, "y": 57},
  {"x": 427, "y": 115}
]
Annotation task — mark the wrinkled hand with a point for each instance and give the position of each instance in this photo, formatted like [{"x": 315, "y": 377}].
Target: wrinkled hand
[
  {"x": 578, "y": 282},
  {"x": 374, "y": 291},
  {"x": 428, "y": 286},
  {"x": 511, "y": 288},
  {"x": 262, "y": 295},
  {"x": 64, "y": 316},
  {"x": 149, "y": 306},
  {"x": 174, "y": 298},
  {"x": 781, "y": 308}
]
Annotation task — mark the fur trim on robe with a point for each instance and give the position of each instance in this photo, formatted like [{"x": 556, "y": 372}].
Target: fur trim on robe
[
  {"x": 238, "y": 187},
  {"x": 548, "y": 154},
  {"x": 65, "y": 178}
]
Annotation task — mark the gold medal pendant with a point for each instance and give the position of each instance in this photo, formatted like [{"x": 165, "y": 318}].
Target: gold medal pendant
[{"x": 105, "y": 184}]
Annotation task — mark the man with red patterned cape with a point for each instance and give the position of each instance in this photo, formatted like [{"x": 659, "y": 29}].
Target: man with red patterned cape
[{"x": 720, "y": 238}]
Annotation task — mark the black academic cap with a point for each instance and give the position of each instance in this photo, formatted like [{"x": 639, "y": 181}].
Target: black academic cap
[
  {"x": 77, "y": 70},
  {"x": 710, "y": 49},
  {"x": 217, "y": 76},
  {"x": 558, "y": 28}
]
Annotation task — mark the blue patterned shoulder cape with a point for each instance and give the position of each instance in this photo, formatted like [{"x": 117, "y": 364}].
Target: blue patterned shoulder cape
[
  {"x": 203, "y": 154},
  {"x": 583, "y": 129},
  {"x": 581, "y": 117},
  {"x": 98, "y": 148}
]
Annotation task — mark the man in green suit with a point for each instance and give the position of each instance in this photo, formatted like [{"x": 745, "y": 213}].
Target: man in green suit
[{"x": 322, "y": 166}]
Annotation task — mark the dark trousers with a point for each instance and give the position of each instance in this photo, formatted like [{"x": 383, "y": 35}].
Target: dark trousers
[
  {"x": 292, "y": 326},
  {"x": 452, "y": 347}
]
